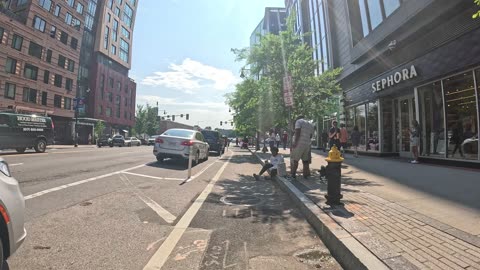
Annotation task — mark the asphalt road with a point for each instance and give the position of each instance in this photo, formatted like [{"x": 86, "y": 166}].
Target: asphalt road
[{"x": 117, "y": 208}]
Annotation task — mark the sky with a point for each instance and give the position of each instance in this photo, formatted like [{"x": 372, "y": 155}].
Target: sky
[{"x": 182, "y": 55}]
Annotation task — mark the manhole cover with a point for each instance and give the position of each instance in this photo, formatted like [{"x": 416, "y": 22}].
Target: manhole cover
[
  {"x": 313, "y": 256},
  {"x": 245, "y": 200}
]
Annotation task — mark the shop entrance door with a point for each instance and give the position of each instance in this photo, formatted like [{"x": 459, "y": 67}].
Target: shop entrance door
[{"x": 406, "y": 113}]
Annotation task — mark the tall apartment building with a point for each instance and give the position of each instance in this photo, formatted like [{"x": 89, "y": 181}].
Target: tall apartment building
[
  {"x": 40, "y": 44},
  {"x": 112, "y": 93},
  {"x": 272, "y": 22}
]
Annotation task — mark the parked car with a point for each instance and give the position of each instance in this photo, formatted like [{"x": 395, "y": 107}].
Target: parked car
[
  {"x": 104, "y": 140},
  {"x": 178, "y": 143},
  {"x": 151, "y": 140},
  {"x": 24, "y": 131},
  {"x": 214, "y": 140},
  {"x": 129, "y": 141},
  {"x": 117, "y": 140},
  {"x": 143, "y": 141},
  {"x": 12, "y": 211}
]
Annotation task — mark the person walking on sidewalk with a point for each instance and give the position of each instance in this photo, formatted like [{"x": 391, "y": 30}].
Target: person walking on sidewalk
[
  {"x": 343, "y": 138},
  {"x": 285, "y": 139},
  {"x": 457, "y": 138},
  {"x": 415, "y": 140},
  {"x": 271, "y": 165},
  {"x": 277, "y": 140},
  {"x": 271, "y": 140},
  {"x": 355, "y": 136},
  {"x": 334, "y": 135},
  {"x": 301, "y": 146}
]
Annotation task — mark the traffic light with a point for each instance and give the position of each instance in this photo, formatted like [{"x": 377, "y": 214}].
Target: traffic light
[
  {"x": 181, "y": 115},
  {"x": 173, "y": 118},
  {"x": 187, "y": 116},
  {"x": 231, "y": 123},
  {"x": 221, "y": 123}
]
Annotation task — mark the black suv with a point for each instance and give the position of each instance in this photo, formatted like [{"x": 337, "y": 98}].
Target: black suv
[
  {"x": 104, "y": 140},
  {"x": 22, "y": 131},
  {"x": 117, "y": 140},
  {"x": 215, "y": 140}
]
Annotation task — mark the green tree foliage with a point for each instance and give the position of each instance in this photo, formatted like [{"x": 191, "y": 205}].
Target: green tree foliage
[
  {"x": 477, "y": 14},
  {"x": 258, "y": 99},
  {"x": 99, "y": 128},
  {"x": 146, "y": 120}
]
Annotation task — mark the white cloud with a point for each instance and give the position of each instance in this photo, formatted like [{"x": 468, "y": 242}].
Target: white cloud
[
  {"x": 191, "y": 75},
  {"x": 152, "y": 100}
]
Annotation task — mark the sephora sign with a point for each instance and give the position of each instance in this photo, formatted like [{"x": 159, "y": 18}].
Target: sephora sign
[{"x": 395, "y": 78}]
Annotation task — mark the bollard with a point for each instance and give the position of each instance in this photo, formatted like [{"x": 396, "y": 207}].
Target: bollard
[
  {"x": 190, "y": 157},
  {"x": 334, "y": 174}
]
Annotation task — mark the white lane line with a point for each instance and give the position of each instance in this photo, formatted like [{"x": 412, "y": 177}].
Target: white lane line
[
  {"x": 203, "y": 170},
  {"x": 162, "y": 212},
  {"x": 160, "y": 257},
  {"x": 154, "y": 177},
  {"x": 43, "y": 192},
  {"x": 16, "y": 164}
]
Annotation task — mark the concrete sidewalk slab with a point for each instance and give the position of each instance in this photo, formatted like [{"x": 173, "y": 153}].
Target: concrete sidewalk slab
[{"x": 394, "y": 235}]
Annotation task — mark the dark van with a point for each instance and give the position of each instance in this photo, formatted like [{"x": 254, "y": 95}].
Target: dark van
[
  {"x": 214, "y": 140},
  {"x": 22, "y": 131}
]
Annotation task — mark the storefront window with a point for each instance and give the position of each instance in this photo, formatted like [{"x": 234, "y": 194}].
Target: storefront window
[
  {"x": 387, "y": 123},
  {"x": 461, "y": 113},
  {"x": 432, "y": 123},
  {"x": 372, "y": 127},
  {"x": 360, "y": 119},
  {"x": 350, "y": 123}
]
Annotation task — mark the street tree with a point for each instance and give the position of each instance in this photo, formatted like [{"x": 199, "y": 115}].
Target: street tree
[
  {"x": 146, "y": 120},
  {"x": 99, "y": 128},
  {"x": 258, "y": 99},
  {"x": 476, "y": 14}
]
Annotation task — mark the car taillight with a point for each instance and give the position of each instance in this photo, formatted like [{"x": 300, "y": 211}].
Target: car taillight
[
  {"x": 4, "y": 214},
  {"x": 158, "y": 140},
  {"x": 187, "y": 143}
]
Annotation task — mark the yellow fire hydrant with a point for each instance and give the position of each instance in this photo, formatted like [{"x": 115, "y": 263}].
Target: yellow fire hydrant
[{"x": 334, "y": 175}]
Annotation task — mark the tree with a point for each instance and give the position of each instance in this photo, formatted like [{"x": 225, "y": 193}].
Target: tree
[
  {"x": 146, "y": 120},
  {"x": 258, "y": 100},
  {"x": 99, "y": 128},
  {"x": 477, "y": 14}
]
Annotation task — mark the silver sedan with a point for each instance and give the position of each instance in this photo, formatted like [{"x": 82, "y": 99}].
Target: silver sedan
[
  {"x": 179, "y": 143},
  {"x": 12, "y": 210}
]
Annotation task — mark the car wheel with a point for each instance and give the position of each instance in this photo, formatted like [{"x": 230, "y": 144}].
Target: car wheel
[
  {"x": 111, "y": 145},
  {"x": 40, "y": 146},
  {"x": 21, "y": 151},
  {"x": 160, "y": 159},
  {"x": 129, "y": 144},
  {"x": 2, "y": 261}
]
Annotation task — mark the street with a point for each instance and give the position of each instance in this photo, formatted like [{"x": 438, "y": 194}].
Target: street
[{"x": 117, "y": 208}]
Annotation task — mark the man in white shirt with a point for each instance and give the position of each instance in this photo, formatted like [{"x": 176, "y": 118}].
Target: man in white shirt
[
  {"x": 301, "y": 146},
  {"x": 272, "y": 164}
]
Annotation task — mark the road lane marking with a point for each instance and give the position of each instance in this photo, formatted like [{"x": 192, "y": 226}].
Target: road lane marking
[
  {"x": 161, "y": 212},
  {"x": 160, "y": 257},
  {"x": 199, "y": 173},
  {"x": 154, "y": 177},
  {"x": 50, "y": 190},
  {"x": 15, "y": 164}
]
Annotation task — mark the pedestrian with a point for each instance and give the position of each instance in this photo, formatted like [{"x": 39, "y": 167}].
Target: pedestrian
[
  {"x": 457, "y": 138},
  {"x": 301, "y": 146},
  {"x": 355, "y": 136},
  {"x": 285, "y": 140},
  {"x": 343, "y": 138},
  {"x": 415, "y": 140},
  {"x": 334, "y": 135},
  {"x": 271, "y": 140},
  {"x": 236, "y": 141},
  {"x": 89, "y": 138},
  {"x": 324, "y": 140},
  {"x": 271, "y": 165},
  {"x": 278, "y": 140}
]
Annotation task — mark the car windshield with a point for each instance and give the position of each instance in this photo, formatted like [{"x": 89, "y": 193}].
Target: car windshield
[
  {"x": 210, "y": 135},
  {"x": 182, "y": 133},
  {"x": 128, "y": 138}
]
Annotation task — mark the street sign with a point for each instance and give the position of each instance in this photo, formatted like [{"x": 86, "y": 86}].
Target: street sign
[
  {"x": 288, "y": 91},
  {"x": 78, "y": 103}
]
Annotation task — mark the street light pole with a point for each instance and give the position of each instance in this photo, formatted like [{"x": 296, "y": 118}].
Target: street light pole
[{"x": 76, "y": 124}]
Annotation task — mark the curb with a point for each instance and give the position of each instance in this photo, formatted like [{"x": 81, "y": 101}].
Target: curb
[{"x": 348, "y": 251}]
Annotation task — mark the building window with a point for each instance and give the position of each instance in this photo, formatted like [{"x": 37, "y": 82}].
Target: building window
[
  {"x": 114, "y": 50},
  {"x": 109, "y": 17},
  {"x": 125, "y": 32},
  {"x": 29, "y": 95},
  {"x": 117, "y": 100},
  {"x": 67, "y": 103},
  {"x": 110, "y": 82},
  {"x": 53, "y": 31},
  {"x": 373, "y": 141},
  {"x": 58, "y": 80},
  {"x": 71, "y": 3},
  {"x": 2, "y": 30},
  {"x": 57, "y": 101},
  {"x": 117, "y": 11},
  {"x": 17, "y": 42},
  {"x": 105, "y": 38},
  {"x": 46, "y": 76},
  {"x": 119, "y": 86},
  {"x": 10, "y": 89},
  {"x": 115, "y": 30},
  {"x": 68, "y": 18},
  {"x": 110, "y": 4},
  {"x": 76, "y": 23},
  {"x": 22, "y": 2},
  {"x": 61, "y": 61},
  {"x": 119, "y": 2},
  {"x": 49, "y": 56},
  {"x": 30, "y": 72},
  {"x": 110, "y": 97},
  {"x": 64, "y": 38},
  {"x": 58, "y": 8},
  {"x": 11, "y": 66},
  {"x": 360, "y": 122},
  {"x": 132, "y": 2},
  {"x": 71, "y": 65},
  {"x": 117, "y": 112},
  {"x": 372, "y": 13},
  {"x": 108, "y": 112},
  {"x": 99, "y": 109},
  {"x": 44, "y": 98},
  {"x": 125, "y": 114},
  {"x": 89, "y": 22},
  {"x": 46, "y": 4},
  {"x": 39, "y": 23},
  {"x": 124, "y": 50},
  {"x": 125, "y": 102},
  {"x": 73, "y": 43},
  {"x": 127, "y": 15},
  {"x": 79, "y": 8},
  {"x": 68, "y": 84},
  {"x": 35, "y": 50}
]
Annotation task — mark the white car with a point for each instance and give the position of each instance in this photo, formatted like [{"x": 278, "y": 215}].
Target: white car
[
  {"x": 178, "y": 143},
  {"x": 129, "y": 141},
  {"x": 12, "y": 211}
]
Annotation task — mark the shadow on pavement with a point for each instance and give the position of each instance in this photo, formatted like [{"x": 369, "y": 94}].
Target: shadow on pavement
[{"x": 169, "y": 164}]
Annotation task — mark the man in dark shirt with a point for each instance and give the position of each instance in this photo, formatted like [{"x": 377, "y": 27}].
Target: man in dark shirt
[{"x": 334, "y": 135}]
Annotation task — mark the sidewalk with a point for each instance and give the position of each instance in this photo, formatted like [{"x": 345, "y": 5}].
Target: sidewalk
[
  {"x": 405, "y": 216},
  {"x": 66, "y": 146}
]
